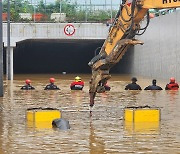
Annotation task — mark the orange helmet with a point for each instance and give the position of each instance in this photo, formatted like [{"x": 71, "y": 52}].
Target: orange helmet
[
  {"x": 172, "y": 79},
  {"x": 51, "y": 80},
  {"x": 28, "y": 81}
]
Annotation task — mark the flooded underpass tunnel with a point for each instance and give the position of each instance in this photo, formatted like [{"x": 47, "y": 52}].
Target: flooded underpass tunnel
[
  {"x": 54, "y": 56},
  {"x": 103, "y": 131},
  {"x": 57, "y": 56}
]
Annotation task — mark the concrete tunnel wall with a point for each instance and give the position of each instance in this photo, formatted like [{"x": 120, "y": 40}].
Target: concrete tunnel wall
[
  {"x": 159, "y": 57},
  {"x": 55, "y": 56}
]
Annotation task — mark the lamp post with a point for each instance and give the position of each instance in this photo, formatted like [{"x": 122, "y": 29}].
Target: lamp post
[
  {"x": 85, "y": 11},
  {"x": 111, "y": 11},
  {"x": 45, "y": 5},
  {"x": 8, "y": 74},
  {"x": 60, "y": 9},
  {"x": 90, "y": 5},
  {"x": 34, "y": 6},
  {"x": 1, "y": 52},
  {"x": 120, "y": 2}
]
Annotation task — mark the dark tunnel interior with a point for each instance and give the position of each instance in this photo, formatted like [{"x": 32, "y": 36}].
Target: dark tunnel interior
[{"x": 55, "y": 56}]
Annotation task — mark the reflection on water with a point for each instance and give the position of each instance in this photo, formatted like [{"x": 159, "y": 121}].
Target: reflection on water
[
  {"x": 142, "y": 127},
  {"x": 96, "y": 144},
  {"x": 104, "y": 132}
]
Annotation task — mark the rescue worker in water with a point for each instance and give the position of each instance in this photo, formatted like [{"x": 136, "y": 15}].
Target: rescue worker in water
[
  {"x": 172, "y": 85},
  {"x": 51, "y": 86},
  {"x": 133, "y": 85},
  {"x": 102, "y": 89},
  {"x": 78, "y": 84},
  {"x": 27, "y": 86},
  {"x": 153, "y": 86},
  {"x": 107, "y": 87}
]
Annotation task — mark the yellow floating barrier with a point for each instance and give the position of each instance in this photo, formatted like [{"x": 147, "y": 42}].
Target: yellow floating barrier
[
  {"x": 142, "y": 127},
  {"x": 41, "y": 117},
  {"x": 143, "y": 119},
  {"x": 142, "y": 114}
]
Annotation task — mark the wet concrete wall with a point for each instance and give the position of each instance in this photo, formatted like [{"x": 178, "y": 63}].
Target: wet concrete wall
[{"x": 159, "y": 57}]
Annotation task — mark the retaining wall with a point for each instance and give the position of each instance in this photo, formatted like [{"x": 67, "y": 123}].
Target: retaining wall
[{"x": 159, "y": 57}]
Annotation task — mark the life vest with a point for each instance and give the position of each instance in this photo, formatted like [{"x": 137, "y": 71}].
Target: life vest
[
  {"x": 77, "y": 85},
  {"x": 173, "y": 86}
]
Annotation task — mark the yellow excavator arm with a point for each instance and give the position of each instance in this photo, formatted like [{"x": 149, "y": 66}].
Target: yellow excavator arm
[{"x": 126, "y": 25}]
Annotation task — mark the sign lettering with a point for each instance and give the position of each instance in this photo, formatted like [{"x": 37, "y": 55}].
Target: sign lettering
[{"x": 169, "y": 1}]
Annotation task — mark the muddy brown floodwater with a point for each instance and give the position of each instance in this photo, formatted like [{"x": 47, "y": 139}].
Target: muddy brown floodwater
[{"x": 104, "y": 132}]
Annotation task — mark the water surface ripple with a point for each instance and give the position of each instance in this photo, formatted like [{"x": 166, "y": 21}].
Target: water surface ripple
[{"x": 104, "y": 132}]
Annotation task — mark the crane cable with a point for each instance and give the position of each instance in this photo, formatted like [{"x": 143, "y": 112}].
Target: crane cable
[
  {"x": 144, "y": 28},
  {"x": 130, "y": 32}
]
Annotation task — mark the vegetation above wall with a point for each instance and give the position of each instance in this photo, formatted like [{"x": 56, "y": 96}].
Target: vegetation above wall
[{"x": 74, "y": 12}]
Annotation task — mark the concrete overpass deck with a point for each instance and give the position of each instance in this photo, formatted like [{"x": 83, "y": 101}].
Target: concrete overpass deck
[{"x": 78, "y": 31}]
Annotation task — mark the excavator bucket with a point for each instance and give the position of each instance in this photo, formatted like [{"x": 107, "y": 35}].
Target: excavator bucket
[{"x": 101, "y": 67}]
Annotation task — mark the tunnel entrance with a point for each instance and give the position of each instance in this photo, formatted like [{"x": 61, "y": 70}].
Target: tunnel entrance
[
  {"x": 54, "y": 56},
  {"x": 57, "y": 56}
]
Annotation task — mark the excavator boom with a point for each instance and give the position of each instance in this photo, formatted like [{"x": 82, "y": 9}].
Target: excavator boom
[{"x": 126, "y": 25}]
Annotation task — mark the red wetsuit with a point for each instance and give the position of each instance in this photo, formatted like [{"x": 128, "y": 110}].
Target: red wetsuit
[{"x": 77, "y": 85}]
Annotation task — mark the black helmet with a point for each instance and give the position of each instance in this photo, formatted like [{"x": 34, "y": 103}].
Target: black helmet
[
  {"x": 154, "y": 81},
  {"x": 134, "y": 79}
]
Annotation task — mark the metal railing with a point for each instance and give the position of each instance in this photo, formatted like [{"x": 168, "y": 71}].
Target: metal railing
[{"x": 72, "y": 12}]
